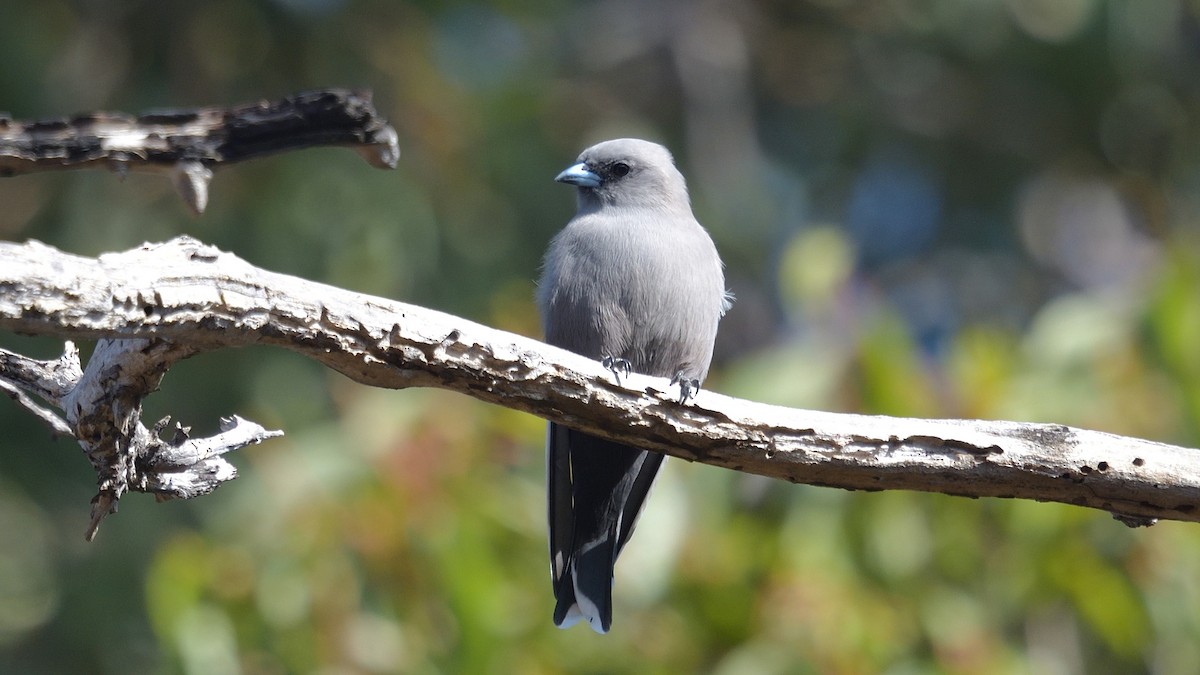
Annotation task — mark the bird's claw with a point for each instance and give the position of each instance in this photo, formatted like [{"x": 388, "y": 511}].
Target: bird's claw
[
  {"x": 688, "y": 387},
  {"x": 617, "y": 365}
]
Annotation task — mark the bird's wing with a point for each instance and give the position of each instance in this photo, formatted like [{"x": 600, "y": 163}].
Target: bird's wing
[
  {"x": 559, "y": 502},
  {"x": 643, "y": 472}
]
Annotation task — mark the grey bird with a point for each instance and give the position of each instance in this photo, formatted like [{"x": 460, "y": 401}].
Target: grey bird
[{"x": 634, "y": 281}]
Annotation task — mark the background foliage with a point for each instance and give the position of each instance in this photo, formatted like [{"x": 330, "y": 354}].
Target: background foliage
[{"x": 982, "y": 208}]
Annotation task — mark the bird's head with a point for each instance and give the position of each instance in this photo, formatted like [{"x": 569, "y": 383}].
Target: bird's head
[{"x": 626, "y": 172}]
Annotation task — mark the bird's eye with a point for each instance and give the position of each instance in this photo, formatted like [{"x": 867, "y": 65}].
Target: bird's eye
[{"x": 620, "y": 169}]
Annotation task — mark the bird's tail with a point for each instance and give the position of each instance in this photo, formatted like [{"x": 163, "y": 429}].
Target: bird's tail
[
  {"x": 585, "y": 591},
  {"x": 596, "y": 490}
]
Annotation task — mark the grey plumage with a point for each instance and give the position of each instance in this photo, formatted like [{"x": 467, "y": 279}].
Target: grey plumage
[{"x": 635, "y": 280}]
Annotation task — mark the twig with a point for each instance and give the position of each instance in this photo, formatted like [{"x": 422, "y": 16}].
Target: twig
[{"x": 58, "y": 426}]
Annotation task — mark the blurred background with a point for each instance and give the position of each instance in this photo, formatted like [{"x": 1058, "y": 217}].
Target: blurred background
[{"x": 939, "y": 208}]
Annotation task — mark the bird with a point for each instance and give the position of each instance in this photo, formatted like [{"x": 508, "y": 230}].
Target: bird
[{"x": 634, "y": 281}]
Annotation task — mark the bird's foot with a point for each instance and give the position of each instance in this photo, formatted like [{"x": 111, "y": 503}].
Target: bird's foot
[
  {"x": 688, "y": 387},
  {"x": 617, "y": 365}
]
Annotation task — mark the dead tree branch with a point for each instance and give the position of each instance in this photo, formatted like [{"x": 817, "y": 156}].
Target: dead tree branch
[
  {"x": 163, "y": 302},
  {"x": 102, "y": 409},
  {"x": 187, "y": 144}
]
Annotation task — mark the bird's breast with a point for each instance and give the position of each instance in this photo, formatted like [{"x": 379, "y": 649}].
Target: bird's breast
[{"x": 642, "y": 289}]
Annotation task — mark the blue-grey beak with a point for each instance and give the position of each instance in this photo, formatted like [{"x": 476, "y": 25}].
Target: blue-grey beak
[{"x": 579, "y": 175}]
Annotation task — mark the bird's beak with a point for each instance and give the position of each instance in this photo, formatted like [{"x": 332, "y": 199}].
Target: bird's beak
[{"x": 579, "y": 175}]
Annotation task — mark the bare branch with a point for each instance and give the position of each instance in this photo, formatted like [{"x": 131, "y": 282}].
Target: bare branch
[
  {"x": 103, "y": 407},
  {"x": 22, "y": 378},
  {"x": 49, "y": 380},
  {"x": 58, "y": 426},
  {"x": 185, "y": 293},
  {"x": 187, "y": 144}
]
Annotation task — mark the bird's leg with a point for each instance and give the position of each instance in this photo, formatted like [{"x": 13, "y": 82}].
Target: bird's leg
[
  {"x": 688, "y": 386},
  {"x": 617, "y": 365}
]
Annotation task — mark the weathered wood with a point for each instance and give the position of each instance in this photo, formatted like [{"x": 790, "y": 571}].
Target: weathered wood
[
  {"x": 187, "y": 144},
  {"x": 198, "y": 298}
]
